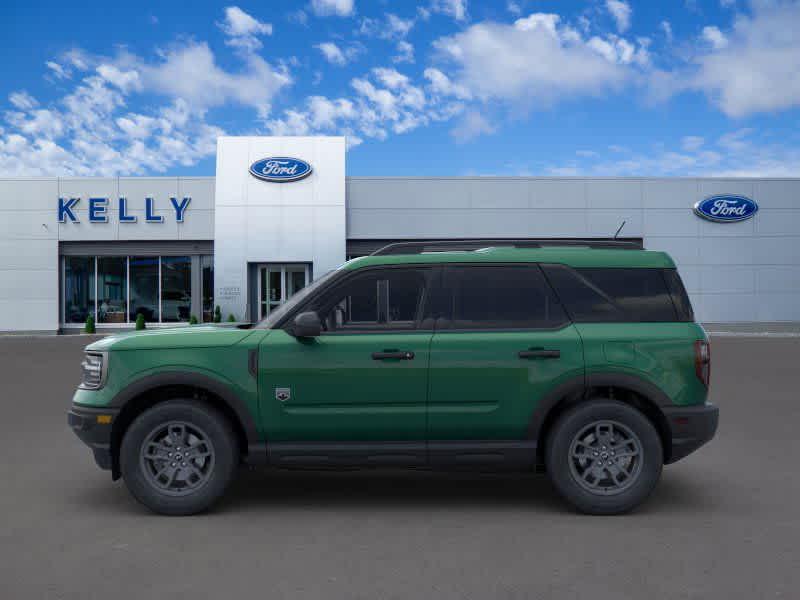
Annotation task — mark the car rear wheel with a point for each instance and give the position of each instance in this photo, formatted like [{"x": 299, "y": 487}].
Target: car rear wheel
[
  {"x": 604, "y": 457},
  {"x": 178, "y": 457}
]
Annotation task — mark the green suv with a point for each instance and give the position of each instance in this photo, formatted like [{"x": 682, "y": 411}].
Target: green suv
[{"x": 581, "y": 361}]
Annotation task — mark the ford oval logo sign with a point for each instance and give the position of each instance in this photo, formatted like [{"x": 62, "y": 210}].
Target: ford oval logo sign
[
  {"x": 726, "y": 209},
  {"x": 280, "y": 169}
]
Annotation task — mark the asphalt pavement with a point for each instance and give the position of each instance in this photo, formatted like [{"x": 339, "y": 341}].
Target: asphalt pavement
[{"x": 723, "y": 523}]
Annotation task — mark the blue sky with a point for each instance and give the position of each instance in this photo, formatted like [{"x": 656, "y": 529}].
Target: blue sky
[{"x": 436, "y": 87}]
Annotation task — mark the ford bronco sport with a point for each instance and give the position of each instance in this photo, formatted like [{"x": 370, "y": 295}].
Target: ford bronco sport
[{"x": 582, "y": 361}]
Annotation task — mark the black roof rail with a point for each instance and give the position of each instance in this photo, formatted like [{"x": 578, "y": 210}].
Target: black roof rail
[{"x": 421, "y": 246}]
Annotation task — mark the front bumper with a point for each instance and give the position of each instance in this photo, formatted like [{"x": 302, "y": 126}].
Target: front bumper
[
  {"x": 692, "y": 426},
  {"x": 93, "y": 427}
]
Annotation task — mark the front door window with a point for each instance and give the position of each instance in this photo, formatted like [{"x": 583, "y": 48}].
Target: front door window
[{"x": 278, "y": 283}]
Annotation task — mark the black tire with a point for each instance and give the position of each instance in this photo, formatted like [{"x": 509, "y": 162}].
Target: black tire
[
  {"x": 205, "y": 482},
  {"x": 573, "y": 476}
]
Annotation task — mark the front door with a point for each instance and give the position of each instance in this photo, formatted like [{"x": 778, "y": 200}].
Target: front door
[
  {"x": 502, "y": 343},
  {"x": 366, "y": 377},
  {"x": 278, "y": 283}
]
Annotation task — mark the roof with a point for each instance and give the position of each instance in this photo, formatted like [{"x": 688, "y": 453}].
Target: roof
[{"x": 571, "y": 256}]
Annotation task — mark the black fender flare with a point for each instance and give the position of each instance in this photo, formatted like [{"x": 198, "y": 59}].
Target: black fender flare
[
  {"x": 577, "y": 386},
  {"x": 199, "y": 380}
]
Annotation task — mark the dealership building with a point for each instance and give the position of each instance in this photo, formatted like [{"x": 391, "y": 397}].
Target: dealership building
[{"x": 281, "y": 211}]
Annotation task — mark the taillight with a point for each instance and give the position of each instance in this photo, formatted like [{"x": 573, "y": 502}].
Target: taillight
[{"x": 702, "y": 361}]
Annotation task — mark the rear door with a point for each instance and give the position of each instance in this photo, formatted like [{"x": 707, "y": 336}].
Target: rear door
[{"x": 502, "y": 343}]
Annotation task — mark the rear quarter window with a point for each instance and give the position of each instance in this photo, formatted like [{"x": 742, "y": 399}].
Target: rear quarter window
[{"x": 608, "y": 295}]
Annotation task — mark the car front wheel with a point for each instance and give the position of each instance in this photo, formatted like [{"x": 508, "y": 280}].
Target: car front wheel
[
  {"x": 178, "y": 457},
  {"x": 604, "y": 457}
]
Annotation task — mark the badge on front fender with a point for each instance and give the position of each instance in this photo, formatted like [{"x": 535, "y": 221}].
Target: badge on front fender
[{"x": 283, "y": 394}]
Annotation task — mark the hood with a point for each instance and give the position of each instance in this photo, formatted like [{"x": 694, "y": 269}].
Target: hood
[{"x": 194, "y": 336}]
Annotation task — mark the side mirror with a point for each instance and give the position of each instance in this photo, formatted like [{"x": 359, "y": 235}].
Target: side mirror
[{"x": 306, "y": 325}]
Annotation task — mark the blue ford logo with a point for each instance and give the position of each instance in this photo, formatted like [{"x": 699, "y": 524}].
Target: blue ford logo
[
  {"x": 726, "y": 209},
  {"x": 280, "y": 169}
]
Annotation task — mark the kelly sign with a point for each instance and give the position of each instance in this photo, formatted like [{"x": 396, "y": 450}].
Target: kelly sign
[{"x": 98, "y": 210}]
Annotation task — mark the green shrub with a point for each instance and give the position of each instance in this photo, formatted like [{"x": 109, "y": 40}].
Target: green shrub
[
  {"x": 231, "y": 318},
  {"x": 193, "y": 320},
  {"x": 140, "y": 324},
  {"x": 89, "y": 327},
  {"x": 217, "y": 314}
]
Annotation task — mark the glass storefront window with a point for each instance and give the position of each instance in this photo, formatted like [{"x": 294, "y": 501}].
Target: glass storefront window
[
  {"x": 116, "y": 289},
  {"x": 207, "y": 269},
  {"x": 176, "y": 288},
  {"x": 144, "y": 288},
  {"x": 78, "y": 288},
  {"x": 112, "y": 292}
]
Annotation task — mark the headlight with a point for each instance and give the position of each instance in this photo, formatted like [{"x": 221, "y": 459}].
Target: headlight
[{"x": 93, "y": 370}]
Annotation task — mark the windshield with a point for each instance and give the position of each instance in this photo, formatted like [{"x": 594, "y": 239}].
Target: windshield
[{"x": 277, "y": 314}]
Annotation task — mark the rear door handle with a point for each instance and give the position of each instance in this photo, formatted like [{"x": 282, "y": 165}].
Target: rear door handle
[
  {"x": 396, "y": 354},
  {"x": 539, "y": 353}
]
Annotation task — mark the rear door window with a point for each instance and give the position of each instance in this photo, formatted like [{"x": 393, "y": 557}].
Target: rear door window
[
  {"x": 500, "y": 297},
  {"x": 601, "y": 295}
]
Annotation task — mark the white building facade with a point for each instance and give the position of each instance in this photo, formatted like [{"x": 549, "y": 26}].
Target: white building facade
[{"x": 281, "y": 211}]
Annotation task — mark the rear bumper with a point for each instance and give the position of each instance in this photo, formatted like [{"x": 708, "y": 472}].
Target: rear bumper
[
  {"x": 692, "y": 426},
  {"x": 97, "y": 435}
]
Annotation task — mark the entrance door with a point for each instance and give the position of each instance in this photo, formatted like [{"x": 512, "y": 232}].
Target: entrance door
[{"x": 278, "y": 283}]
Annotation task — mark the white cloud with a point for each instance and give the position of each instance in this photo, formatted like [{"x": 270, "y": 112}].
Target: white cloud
[
  {"x": 453, "y": 8},
  {"x": 37, "y": 123},
  {"x": 514, "y": 8},
  {"x": 391, "y": 78},
  {"x": 385, "y": 101},
  {"x": 339, "y": 8},
  {"x": 666, "y": 27},
  {"x": 537, "y": 60},
  {"x": 191, "y": 72},
  {"x": 243, "y": 29},
  {"x": 619, "y": 50},
  {"x": 22, "y": 100},
  {"x": 441, "y": 84},
  {"x": 758, "y": 70},
  {"x": 621, "y": 11},
  {"x": 58, "y": 70},
  {"x": 735, "y": 154},
  {"x": 336, "y": 55},
  {"x": 692, "y": 143},
  {"x": 397, "y": 26},
  {"x": 715, "y": 37},
  {"x": 332, "y": 53},
  {"x": 405, "y": 52},
  {"x": 391, "y": 27},
  {"x": 127, "y": 80},
  {"x": 472, "y": 124},
  {"x": 91, "y": 131}
]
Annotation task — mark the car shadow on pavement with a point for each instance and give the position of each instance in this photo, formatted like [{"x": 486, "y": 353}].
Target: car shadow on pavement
[{"x": 377, "y": 490}]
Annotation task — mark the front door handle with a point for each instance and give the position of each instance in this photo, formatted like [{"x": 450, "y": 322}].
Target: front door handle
[
  {"x": 396, "y": 354},
  {"x": 539, "y": 353}
]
